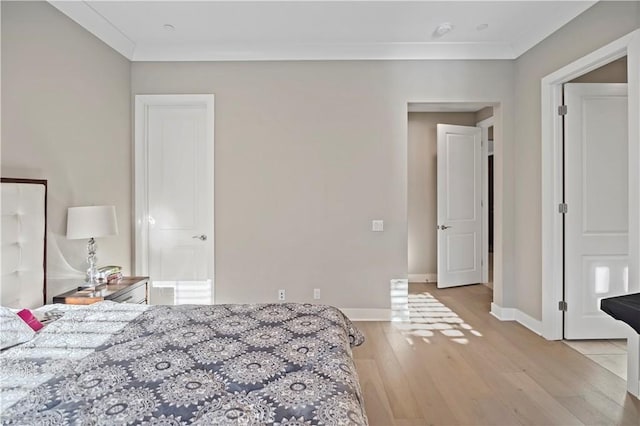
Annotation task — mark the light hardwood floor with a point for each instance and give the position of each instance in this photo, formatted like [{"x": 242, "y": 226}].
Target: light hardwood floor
[{"x": 466, "y": 367}]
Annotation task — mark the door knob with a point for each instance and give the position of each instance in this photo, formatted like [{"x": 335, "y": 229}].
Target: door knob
[
  {"x": 443, "y": 227},
  {"x": 200, "y": 237}
]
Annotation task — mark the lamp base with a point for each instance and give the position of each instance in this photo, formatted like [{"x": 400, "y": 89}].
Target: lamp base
[{"x": 92, "y": 272}]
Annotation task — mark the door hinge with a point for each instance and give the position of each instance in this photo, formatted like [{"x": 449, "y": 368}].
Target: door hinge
[
  {"x": 563, "y": 208},
  {"x": 562, "y": 306},
  {"x": 562, "y": 110}
]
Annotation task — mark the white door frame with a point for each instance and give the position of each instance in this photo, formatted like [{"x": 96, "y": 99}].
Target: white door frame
[
  {"x": 484, "y": 125},
  {"x": 141, "y": 173},
  {"x": 552, "y": 239}
]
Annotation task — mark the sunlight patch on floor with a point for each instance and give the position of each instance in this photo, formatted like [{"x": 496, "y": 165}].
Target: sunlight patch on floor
[
  {"x": 185, "y": 292},
  {"x": 399, "y": 300},
  {"x": 428, "y": 317}
]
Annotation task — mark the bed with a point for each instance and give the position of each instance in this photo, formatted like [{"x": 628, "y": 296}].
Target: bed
[{"x": 109, "y": 363}]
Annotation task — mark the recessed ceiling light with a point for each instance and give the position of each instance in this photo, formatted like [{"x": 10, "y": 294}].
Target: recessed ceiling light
[
  {"x": 169, "y": 27},
  {"x": 482, "y": 27},
  {"x": 442, "y": 29}
]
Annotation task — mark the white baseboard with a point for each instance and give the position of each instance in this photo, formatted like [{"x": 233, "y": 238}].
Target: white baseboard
[
  {"x": 513, "y": 314},
  {"x": 503, "y": 314},
  {"x": 366, "y": 314},
  {"x": 423, "y": 278}
]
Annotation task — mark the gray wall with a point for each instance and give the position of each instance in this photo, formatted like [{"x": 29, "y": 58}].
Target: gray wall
[
  {"x": 599, "y": 25},
  {"x": 66, "y": 118},
  {"x": 422, "y": 169},
  {"x": 613, "y": 72},
  {"x": 483, "y": 114},
  {"x": 306, "y": 155}
]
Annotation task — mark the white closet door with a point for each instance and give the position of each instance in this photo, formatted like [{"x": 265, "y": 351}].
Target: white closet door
[{"x": 179, "y": 148}]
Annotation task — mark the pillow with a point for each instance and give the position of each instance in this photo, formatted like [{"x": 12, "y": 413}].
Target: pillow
[
  {"x": 13, "y": 330},
  {"x": 30, "y": 319}
]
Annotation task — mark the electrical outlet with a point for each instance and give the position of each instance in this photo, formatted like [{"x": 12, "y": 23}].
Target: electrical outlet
[
  {"x": 316, "y": 293},
  {"x": 377, "y": 225},
  {"x": 282, "y": 294}
]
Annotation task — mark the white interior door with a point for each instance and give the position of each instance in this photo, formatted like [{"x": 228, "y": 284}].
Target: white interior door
[
  {"x": 178, "y": 142},
  {"x": 459, "y": 205},
  {"x": 596, "y": 193}
]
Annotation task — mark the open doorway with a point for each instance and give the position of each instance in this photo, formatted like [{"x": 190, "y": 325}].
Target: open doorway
[
  {"x": 423, "y": 226},
  {"x": 553, "y": 187},
  {"x": 486, "y": 124}
]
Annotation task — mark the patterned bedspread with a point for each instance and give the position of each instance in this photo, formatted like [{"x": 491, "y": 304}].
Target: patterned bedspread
[{"x": 282, "y": 364}]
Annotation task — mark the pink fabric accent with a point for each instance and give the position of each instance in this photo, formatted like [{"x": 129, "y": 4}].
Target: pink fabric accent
[{"x": 31, "y": 321}]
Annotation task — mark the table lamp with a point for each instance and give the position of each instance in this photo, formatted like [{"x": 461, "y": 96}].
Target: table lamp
[{"x": 91, "y": 222}]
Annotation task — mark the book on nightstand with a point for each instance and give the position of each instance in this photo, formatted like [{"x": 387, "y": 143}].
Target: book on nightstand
[
  {"x": 114, "y": 277},
  {"x": 110, "y": 273}
]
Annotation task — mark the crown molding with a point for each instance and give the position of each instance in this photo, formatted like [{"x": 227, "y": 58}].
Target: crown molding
[
  {"x": 321, "y": 51},
  {"x": 545, "y": 28},
  {"x": 87, "y": 17}
]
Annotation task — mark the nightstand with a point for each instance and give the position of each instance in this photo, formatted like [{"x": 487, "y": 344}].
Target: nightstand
[{"x": 125, "y": 290}]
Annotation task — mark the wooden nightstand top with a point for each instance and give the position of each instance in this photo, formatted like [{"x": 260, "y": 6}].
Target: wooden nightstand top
[{"x": 127, "y": 290}]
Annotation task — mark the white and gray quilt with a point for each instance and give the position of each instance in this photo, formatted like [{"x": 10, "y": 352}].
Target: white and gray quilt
[{"x": 282, "y": 364}]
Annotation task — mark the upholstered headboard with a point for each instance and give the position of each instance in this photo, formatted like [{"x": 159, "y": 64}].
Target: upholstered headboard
[{"x": 23, "y": 235}]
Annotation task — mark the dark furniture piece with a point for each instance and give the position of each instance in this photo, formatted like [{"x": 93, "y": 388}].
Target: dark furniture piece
[
  {"x": 624, "y": 308},
  {"x": 126, "y": 290},
  {"x": 627, "y": 309}
]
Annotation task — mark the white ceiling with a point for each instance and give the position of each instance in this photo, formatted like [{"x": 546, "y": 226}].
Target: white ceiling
[{"x": 318, "y": 30}]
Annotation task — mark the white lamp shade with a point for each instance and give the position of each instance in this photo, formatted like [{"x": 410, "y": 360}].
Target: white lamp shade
[{"x": 91, "y": 222}]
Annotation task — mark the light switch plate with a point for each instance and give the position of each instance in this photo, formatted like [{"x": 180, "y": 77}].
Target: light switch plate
[{"x": 377, "y": 225}]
